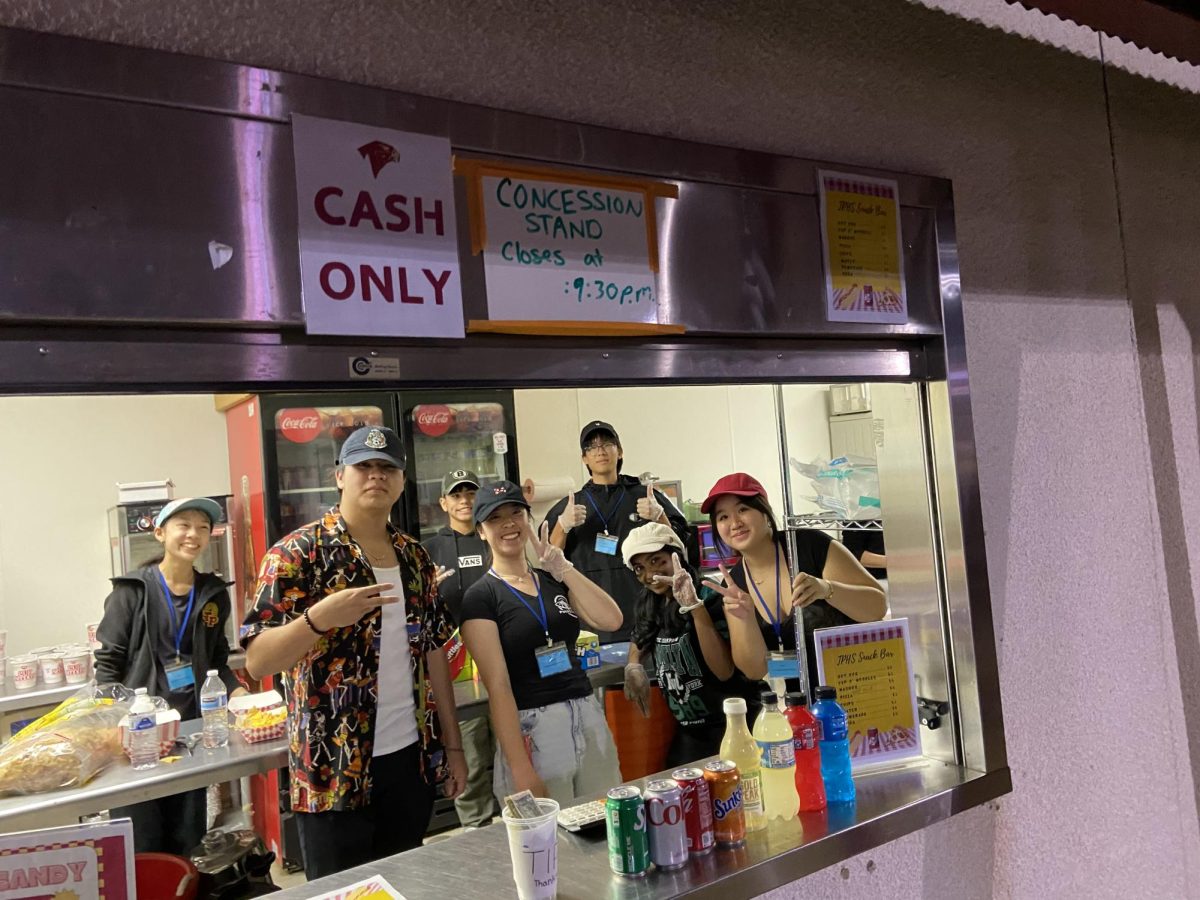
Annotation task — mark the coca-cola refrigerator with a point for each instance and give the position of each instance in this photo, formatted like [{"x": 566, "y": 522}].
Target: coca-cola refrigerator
[{"x": 282, "y": 454}]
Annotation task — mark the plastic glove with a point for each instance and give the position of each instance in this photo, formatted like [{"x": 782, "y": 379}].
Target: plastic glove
[
  {"x": 550, "y": 558},
  {"x": 442, "y": 574},
  {"x": 647, "y": 507},
  {"x": 637, "y": 687},
  {"x": 682, "y": 587},
  {"x": 572, "y": 516}
]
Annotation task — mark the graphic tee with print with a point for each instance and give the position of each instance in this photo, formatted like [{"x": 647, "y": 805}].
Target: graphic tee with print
[{"x": 521, "y": 636}]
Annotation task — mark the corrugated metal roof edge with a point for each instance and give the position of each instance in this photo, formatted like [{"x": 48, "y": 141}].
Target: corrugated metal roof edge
[{"x": 1066, "y": 34}]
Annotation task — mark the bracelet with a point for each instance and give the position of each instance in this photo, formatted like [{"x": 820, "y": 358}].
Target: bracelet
[
  {"x": 314, "y": 628},
  {"x": 830, "y": 597}
]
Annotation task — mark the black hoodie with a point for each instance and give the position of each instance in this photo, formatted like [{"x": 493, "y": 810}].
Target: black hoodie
[{"x": 127, "y": 633}]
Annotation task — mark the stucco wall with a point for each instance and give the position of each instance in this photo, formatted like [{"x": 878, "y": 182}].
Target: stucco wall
[{"x": 1084, "y": 444}]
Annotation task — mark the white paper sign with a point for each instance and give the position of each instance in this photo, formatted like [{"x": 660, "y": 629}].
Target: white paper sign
[
  {"x": 378, "y": 244},
  {"x": 559, "y": 250},
  {"x": 82, "y": 862}
]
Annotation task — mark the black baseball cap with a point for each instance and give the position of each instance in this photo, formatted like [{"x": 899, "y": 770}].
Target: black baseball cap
[
  {"x": 456, "y": 479},
  {"x": 592, "y": 428},
  {"x": 373, "y": 442},
  {"x": 495, "y": 495}
]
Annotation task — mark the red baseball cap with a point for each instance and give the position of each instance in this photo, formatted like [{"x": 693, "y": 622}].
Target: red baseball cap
[{"x": 739, "y": 484}]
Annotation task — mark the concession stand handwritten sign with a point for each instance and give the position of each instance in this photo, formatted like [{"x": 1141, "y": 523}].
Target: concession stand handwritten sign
[
  {"x": 870, "y": 665},
  {"x": 558, "y": 245},
  {"x": 79, "y": 862},
  {"x": 378, "y": 245},
  {"x": 860, "y": 231}
]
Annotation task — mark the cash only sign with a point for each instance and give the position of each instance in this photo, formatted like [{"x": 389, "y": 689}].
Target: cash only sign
[{"x": 378, "y": 244}]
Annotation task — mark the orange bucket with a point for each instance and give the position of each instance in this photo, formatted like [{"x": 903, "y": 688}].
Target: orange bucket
[{"x": 642, "y": 743}]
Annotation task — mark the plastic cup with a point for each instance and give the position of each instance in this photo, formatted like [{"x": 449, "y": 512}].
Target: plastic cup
[
  {"x": 25, "y": 672},
  {"x": 75, "y": 666},
  {"x": 3, "y": 671},
  {"x": 3, "y": 642},
  {"x": 91, "y": 633},
  {"x": 533, "y": 845},
  {"x": 51, "y": 665}
]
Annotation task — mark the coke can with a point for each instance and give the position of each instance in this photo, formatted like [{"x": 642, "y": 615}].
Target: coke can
[
  {"x": 668, "y": 834},
  {"x": 696, "y": 800},
  {"x": 628, "y": 845},
  {"x": 729, "y": 818}
]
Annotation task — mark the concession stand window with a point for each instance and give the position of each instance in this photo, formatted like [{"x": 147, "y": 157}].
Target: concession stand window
[{"x": 165, "y": 261}]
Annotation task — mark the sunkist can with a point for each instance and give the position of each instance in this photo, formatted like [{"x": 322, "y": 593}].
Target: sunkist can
[
  {"x": 628, "y": 845},
  {"x": 729, "y": 818},
  {"x": 664, "y": 816},
  {"x": 696, "y": 800}
]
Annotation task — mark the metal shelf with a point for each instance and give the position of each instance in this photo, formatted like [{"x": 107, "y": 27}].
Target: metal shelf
[{"x": 825, "y": 521}]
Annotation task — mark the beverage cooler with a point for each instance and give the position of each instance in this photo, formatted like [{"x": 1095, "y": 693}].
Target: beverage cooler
[{"x": 282, "y": 454}]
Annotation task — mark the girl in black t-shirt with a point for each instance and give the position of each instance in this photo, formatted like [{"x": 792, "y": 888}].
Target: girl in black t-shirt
[
  {"x": 683, "y": 636},
  {"x": 829, "y": 584},
  {"x": 520, "y": 626}
]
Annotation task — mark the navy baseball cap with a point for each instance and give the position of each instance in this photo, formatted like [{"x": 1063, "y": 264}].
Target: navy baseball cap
[
  {"x": 209, "y": 507},
  {"x": 373, "y": 442},
  {"x": 456, "y": 479},
  {"x": 495, "y": 495},
  {"x": 596, "y": 427}
]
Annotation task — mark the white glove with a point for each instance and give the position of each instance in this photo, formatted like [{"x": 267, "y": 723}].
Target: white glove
[
  {"x": 682, "y": 587},
  {"x": 550, "y": 558},
  {"x": 637, "y": 687},
  {"x": 572, "y": 516},
  {"x": 647, "y": 507}
]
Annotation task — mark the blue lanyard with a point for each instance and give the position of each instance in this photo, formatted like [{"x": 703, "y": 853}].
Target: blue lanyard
[
  {"x": 187, "y": 615},
  {"x": 603, "y": 518},
  {"x": 543, "y": 619},
  {"x": 777, "y": 620}
]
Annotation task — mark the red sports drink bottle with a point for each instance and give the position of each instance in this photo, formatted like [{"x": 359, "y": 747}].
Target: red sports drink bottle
[{"x": 806, "y": 737}]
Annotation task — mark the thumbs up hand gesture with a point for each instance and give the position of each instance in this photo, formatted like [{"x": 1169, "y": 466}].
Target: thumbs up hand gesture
[
  {"x": 648, "y": 507},
  {"x": 572, "y": 515}
]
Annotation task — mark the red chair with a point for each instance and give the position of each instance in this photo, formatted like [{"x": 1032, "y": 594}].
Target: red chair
[{"x": 163, "y": 876}]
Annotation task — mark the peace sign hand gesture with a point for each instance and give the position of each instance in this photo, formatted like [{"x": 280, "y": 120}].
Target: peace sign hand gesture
[
  {"x": 682, "y": 587},
  {"x": 648, "y": 507},
  {"x": 737, "y": 602},
  {"x": 550, "y": 558}
]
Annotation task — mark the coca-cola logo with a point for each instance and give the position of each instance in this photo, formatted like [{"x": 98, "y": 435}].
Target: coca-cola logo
[
  {"x": 299, "y": 425},
  {"x": 433, "y": 420},
  {"x": 722, "y": 808},
  {"x": 664, "y": 813}
]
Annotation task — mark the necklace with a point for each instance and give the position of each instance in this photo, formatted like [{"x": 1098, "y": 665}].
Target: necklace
[{"x": 524, "y": 577}]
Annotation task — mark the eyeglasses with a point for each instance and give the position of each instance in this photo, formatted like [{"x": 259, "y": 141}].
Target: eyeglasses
[{"x": 597, "y": 446}]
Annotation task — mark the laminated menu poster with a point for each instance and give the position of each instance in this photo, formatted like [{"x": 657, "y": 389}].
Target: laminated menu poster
[
  {"x": 870, "y": 664},
  {"x": 373, "y": 888},
  {"x": 860, "y": 230},
  {"x": 76, "y": 862}
]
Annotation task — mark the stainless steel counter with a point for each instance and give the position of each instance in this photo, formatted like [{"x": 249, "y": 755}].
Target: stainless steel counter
[
  {"x": 13, "y": 700},
  {"x": 890, "y": 804},
  {"x": 121, "y": 784}
]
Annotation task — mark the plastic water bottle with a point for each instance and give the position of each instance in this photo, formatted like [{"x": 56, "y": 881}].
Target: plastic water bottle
[
  {"x": 214, "y": 700},
  {"x": 806, "y": 739},
  {"x": 835, "y": 746},
  {"x": 143, "y": 731},
  {"x": 739, "y": 746},
  {"x": 777, "y": 758}
]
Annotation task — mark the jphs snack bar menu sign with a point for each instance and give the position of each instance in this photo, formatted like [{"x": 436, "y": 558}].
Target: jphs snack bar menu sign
[{"x": 378, "y": 244}]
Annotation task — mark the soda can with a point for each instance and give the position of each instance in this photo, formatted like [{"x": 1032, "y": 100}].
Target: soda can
[
  {"x": 696, "y": 800},
  {"x": 668, "y": 834},
  {"x": 729, "y": 818},
  {"x": 628, "y": 844}
]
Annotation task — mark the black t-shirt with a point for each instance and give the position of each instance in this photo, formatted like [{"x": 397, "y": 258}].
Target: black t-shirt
[
  {"x": 612, "y": 506},
  {"x": 812, "y": 549},
  {"x": 859, "y": 542},
  {"x": 521, "y": 636},
  {"x": 465, "y": 554},
  {"x": 694, "y": 694},
  {"x": 183, "y": 700}
]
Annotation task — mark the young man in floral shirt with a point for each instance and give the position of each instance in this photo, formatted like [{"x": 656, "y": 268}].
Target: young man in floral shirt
[{"x": 347, "y": 609}]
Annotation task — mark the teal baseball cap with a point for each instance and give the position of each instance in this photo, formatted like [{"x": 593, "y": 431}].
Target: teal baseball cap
[{"x": 210, "y": 508}]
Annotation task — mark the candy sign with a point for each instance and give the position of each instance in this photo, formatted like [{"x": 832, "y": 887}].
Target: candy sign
[
  {"x": 378, "y": 245},
  {"x": 81, "y": 862}
]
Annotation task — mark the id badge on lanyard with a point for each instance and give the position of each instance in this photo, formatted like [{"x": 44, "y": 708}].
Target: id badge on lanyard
[
  {"x": 179, "y": 672},
  {"x": 180, "y": 675},
  {"x": 606, "y": 544},
  {"x": 553, "y": 660}
]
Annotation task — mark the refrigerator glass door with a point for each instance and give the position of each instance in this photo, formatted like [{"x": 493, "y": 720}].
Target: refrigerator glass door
[
  {"x": 449, "y": 436},
  {"x": 305, "y": 447}
]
